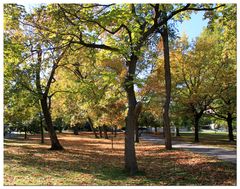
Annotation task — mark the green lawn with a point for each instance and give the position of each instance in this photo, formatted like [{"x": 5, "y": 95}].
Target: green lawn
[
  {"x": 219, "y": 139},
  {"x": 90, "y": 161}
]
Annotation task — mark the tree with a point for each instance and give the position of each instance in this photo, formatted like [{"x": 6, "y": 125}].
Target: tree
[
  {"x": 224, "y": 107},
  {"x": 126, "y": 35},
  {"x": 197, "y": 70},
  {"x": 37, "y": 65}
]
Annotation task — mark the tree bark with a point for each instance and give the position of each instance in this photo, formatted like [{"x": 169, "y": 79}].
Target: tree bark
[
  {"x": 166, "y": 119},
  {"x": 196, "y": 128},
  {"x": 155, "y": 130},
  {"x": 75, "y": 130},
  {"x": 115, "y": 131},
  {"x": 55, "y": 144},
  {"x": 129, "y": 153},
  {"x": 105, "y": 131},
  {"x": 230, "y": 128},
  {"x": 25, "y": 132},
  {"x": 92, "y": 128},
  {"x": 136, "y": 134},
  {"x": 42, "y": 129},
  {"x": 100, "y": 131},
  {"x": 177, "y": 132}
]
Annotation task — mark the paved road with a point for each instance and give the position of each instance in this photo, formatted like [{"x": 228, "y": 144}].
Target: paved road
[{"x": 223, "y": 154}]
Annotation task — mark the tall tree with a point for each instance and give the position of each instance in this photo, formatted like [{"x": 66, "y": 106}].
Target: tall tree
[
  {"x": 36, "y": 66},
  {"x": 97, "y": 26}
]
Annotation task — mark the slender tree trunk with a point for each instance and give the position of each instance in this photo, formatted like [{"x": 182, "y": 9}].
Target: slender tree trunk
[
  {"x": 75, "y": 130},
  {"x": 166, "y": 119},
  {"x": 230, "y": 128},
  {"x": 55, "y": 144},
  {"x": 41, "y": 128},
  {"x": 92, "y": 128},
  {"x": 105, "y": 131},
  {"x": 129, "y": 153},
  {"x": 177, "y": 132},
  {"x": 196, "y": 128},
  {"x": 100, "y": 131},
  {"x": 25, "y": 133},
  {"x": 155, "y": 130},
  {"x": 115, "y": 131}
]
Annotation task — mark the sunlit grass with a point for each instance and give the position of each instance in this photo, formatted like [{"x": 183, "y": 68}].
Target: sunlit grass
[{"x": 218, "y": 139}]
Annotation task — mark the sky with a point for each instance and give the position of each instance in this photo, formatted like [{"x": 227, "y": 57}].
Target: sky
[{"x": 194, "y": 26}]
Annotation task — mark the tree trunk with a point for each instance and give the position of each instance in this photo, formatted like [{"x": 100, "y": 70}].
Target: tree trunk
[
  {"x": 75, "y": 130},
  {"x": 166, "y": 119},
  {"x": 92, "y": 128},
  {"x": 177, "y": 132},
  {"x": 136, "y": 134},
  {"x": 129, "y": 153},
  {"x": 25, "y": 133},
  {"x": 155, "y": 130},
  {"x": 105, "y": 131},
  {"x": 100, "y": 131},
  {"x": 196, "y": 128},
  {"x": 55, "y": 144},
  {"x": 230, "y": 129},
  {"x": 41, "y": 128},
  {"x": 115, "y": 131}
]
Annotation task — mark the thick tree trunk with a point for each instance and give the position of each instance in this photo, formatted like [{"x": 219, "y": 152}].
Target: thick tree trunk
[
  {"x": 196, "y": 128},
  {"x": 41, "y": 128},
  {"x": 129, "y": 153},
  {"x": 230, "y": 128},
  {"x": 136, "y": 134},
  {"x": 166, "y": 119},
  {"x": 55, "y": 144},
  {"x": 92, "y": 128},
  {"x": 105, "y": 131}
]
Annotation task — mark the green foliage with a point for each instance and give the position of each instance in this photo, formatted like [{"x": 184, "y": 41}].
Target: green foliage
[{"x": 147, "y": 119}]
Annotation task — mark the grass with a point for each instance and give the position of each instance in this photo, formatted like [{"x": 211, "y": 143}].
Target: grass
[
  {"x": 219, "y": 139},
  {"x": 90, "y": 161}
]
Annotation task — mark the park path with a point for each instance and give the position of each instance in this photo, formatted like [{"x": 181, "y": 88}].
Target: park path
[{"x": 220, "y": 153}]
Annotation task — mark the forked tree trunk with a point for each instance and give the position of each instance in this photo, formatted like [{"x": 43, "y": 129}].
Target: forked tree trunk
[
  {"x": 55, "y": 144},
  {"x": 166, "y": 119},
  {"x": 129, "y": 153},
  {"x": 230, "y": 128}
]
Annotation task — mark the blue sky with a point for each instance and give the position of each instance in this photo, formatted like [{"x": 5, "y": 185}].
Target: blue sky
[{"x": 194, "y": 26}]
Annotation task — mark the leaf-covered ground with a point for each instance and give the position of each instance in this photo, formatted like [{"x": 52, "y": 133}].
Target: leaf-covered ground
[{"x": 90, "y": 161}]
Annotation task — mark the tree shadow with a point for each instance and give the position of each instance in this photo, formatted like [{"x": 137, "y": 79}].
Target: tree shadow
[{"x": 157, "y": 166}]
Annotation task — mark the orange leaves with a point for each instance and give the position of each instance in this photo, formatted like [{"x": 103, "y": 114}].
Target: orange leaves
[{"x": 90, "y": 161}]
